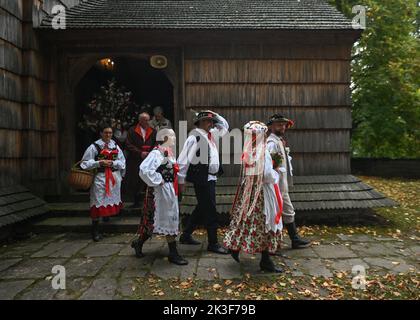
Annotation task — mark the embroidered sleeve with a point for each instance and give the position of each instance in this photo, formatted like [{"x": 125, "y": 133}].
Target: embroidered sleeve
[
  {"x": 148, "y": 167},
  {"x": 221, "y": 126},
  {"x": 185, "y": 157},
  {"x": 119, "y": 163},
  {"x": 88, "y": 159}
]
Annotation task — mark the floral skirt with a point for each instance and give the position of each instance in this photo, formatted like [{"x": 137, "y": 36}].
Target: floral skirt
[{"x": 248, "y": 233}]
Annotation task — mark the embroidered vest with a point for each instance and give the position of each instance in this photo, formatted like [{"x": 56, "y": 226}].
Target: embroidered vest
[
  {"x": 167, "y": 172},
  {"x": 98, "y": 156},
  {"x": 198, "y": 172}
]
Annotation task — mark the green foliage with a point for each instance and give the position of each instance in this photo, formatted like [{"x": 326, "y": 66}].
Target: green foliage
[{"x": 386, "y": 78}]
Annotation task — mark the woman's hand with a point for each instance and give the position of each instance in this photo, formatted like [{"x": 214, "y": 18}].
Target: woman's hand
[{"x": 106, "y": 163}]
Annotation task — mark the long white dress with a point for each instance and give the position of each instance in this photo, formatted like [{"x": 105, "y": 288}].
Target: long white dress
[
  {"x": 98, "y": 197},
  {"x": 166, "y": 215},
  {"x": 271, "y": 206}
]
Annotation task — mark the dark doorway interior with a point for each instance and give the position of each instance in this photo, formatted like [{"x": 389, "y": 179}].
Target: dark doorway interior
[{"x": 148, "y": 85}]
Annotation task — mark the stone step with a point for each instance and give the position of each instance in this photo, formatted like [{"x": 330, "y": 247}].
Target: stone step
[
  {"x": 120, "y": 224},
  {"x": 81, "y": 209},
  {"x": 70, "y": 219},
  {"x": 189, "y": 192},
  {"x": 82, "y": 224}
]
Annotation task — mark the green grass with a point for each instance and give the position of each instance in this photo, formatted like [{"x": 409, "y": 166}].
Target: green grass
[{"x": 400, "y": 222}]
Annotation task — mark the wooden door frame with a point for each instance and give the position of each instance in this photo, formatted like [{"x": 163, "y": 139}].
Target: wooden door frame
[{"x": 72, "y": 67}]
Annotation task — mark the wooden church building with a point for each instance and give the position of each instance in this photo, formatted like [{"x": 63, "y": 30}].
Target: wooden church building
[{"x": 245, "y": 59}]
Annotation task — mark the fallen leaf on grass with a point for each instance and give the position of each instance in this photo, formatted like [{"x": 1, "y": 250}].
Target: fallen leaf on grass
[{"x": 217, "y": 286}]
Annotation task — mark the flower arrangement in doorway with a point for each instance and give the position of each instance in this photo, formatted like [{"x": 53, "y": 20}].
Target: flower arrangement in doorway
[{"x": 113, "y": 105}]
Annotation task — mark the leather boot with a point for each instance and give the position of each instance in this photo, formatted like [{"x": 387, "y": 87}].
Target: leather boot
[
  {"x": 214, "y": 246},
  {"x": 297, "y": 242},
  {"x": 235, "y": 255},
  {"x": 174, "y": 256},
  {"x": 137, "y": 245},
  {"x": 266, "y": 264},
  {"x": 96, "y": 236},
  {"x": 187, "y": 238}
]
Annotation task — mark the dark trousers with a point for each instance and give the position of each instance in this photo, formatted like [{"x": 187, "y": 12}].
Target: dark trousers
[
  {"x": 140, "y": 192},
  {"x": 205, "y": 211}
]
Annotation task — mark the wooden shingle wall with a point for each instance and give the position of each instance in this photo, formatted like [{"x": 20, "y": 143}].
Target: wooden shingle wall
[
  {"x": 310, "y": 84},
  {"x": 325, "y": 192},
  {"x": 28, "y": 125}
]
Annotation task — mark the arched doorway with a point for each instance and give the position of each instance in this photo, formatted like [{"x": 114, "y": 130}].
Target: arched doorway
[
  {"x": 76, "y": 74},
  {"x": 150, "y": 87}
]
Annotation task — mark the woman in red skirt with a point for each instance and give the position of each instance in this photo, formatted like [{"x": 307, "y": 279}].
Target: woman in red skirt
[{"x": 107, "y": 159}]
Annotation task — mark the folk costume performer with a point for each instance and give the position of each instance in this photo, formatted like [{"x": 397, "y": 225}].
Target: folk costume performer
[
  {"x": 161, "y": 212},
  {"x": 106, "y": 157},
  {"x": 256, "y": 222}
]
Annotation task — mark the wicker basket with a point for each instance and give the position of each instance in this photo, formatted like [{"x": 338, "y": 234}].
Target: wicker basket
[{"x": 80, "y": 179}]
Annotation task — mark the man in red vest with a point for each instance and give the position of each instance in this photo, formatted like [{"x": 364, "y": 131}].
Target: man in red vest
[{"x": 141, "y": 139}]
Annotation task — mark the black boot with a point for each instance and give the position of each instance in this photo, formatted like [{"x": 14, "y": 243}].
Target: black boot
[
  {"x": 174, "y": 256},
  {"x": 297, "y": 242},
  {"x": 96, "y": 236},
  {"x": 187, "y": 238},
  {"x": 137, "y": 245},
  {"x": 235, "y": 255},
  {"x": 214, "y": 246},
  {"x": 266, "y": 264}
]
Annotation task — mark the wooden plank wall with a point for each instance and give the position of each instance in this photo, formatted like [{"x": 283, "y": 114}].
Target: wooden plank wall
[
  {"x": 28, "y": 125},
  {"x": 310, "y": 84}
]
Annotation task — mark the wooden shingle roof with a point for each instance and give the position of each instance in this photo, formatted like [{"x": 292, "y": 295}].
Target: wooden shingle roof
[
  {"x": 327, "y": 192},
  {"x": 18, "y": 204},
  {"x": 204, "y": 14}
]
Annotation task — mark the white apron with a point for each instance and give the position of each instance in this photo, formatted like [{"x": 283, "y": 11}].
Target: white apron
[{"x": 166, "y": 216}]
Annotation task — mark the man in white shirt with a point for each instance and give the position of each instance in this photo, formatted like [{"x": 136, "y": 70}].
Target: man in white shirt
[
  {"x": 199, "y": 164},
  {"x": 277, "y": 144}
]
